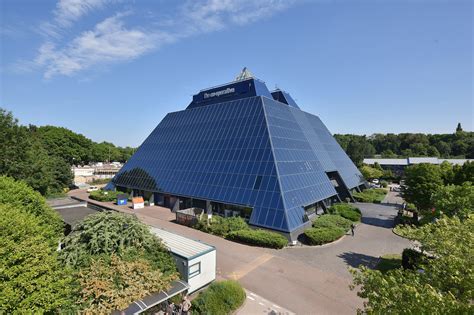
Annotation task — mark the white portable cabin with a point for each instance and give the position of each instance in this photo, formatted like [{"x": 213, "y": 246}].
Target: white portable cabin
[{"x": 196, "y": 261}]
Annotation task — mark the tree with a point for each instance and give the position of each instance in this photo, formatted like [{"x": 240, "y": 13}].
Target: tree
[
  {"x": 111, "y": 283},
  {"x": 443, "y": 285},
  {"x": 464, "y": 173},
  {"x": 31, "y": 278},
  {"x": 370, "y": 172},
  {"x": 459, "y": 128},
  {"x": 421, "y": 182},
  {"x": 454, "y": 200},
  {"x": 21, "y": 196}
]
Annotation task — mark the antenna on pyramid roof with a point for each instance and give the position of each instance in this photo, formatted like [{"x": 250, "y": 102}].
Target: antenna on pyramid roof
[{"x": 244, "y": 75}]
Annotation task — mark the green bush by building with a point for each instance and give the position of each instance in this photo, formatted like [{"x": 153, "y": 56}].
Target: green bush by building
[
  {"x": 104, "y": 195},
  {"x": 259, "y": 238},
  {"x": 331, "y": 221},
  {"x": 347, "y": 211},
  {"x": 221, "y": 298},
  {"x": 323, "y": 235}
]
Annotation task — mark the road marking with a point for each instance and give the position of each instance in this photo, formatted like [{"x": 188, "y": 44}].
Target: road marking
[
  {"x": 253, "y": 294},
  {"x": 260, "y": 260},
  {"x": 261, "y": 303},
  {"x": 275, "y": 306},
  {"x": 249, "y": 297}
]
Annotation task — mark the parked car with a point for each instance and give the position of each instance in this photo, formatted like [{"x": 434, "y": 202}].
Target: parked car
[
  {"x": 92, "y": 188},
  {"x": 375, "y": 181}
]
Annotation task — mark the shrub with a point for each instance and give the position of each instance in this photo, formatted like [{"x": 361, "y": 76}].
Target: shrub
[
  {"x": 411, "y": 259},
  {"x": 323, "y": 235},
  {"x": 220, "y": 226},
  {"x": 332, "y": 220},
  {"x": 384, "y": 183},
  {"x": 259, "y": 238},
  {"x": 346, "y": 211},
  {"x": 375, "y": 195},
  {"x": 220, "y": 298},
  {"x": 104, "y": 195}
]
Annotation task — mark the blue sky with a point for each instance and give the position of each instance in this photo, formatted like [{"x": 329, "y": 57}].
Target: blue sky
[{"x": 112, "y": 69}]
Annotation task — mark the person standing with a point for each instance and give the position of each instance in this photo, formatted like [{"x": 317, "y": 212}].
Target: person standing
[
  {"x": 352, "y": 229},
  {"x": 186, "y": 305}
]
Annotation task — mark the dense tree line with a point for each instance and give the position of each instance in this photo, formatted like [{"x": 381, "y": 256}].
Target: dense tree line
[
  {"x": 456, "y": 145},
  {"x": 42, "y": 156}
]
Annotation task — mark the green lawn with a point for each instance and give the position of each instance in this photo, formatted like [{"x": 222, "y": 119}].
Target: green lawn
[{"x": 375, "y": 195}]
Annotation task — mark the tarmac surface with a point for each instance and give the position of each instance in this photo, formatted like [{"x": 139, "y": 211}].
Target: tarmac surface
[{"x": 302, "y": 280}]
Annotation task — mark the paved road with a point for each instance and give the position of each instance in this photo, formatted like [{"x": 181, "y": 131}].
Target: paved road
[
  {"x": 303, "y": 280},
  {"x": 393, "y": 197},
  {"x": 255, "y": 304}
]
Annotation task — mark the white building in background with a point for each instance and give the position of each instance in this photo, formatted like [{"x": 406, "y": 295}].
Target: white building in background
[
  {"x": 88, "y": 173},
  {"x": 398, "y": 165}
]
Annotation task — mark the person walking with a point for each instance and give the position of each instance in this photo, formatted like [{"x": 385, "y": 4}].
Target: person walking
[{"x": 352, "y": 229}]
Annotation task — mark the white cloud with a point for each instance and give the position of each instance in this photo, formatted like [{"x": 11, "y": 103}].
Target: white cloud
[
  {"x": 111, "y": 41},
  {"x": 68, "y": 11}
]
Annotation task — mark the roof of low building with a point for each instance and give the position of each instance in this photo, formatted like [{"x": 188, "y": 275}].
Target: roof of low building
[
  {"x": 73, "y": 215},
  {"x": 180, "y": 245},
  {"x": 414, "y": 160},
  {"x": 386, "y": 161}
]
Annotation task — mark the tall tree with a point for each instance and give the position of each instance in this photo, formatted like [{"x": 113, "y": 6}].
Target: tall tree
[{"x": 421, "y": 182}]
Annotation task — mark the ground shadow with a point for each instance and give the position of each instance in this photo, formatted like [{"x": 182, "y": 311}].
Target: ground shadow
[
  {"x": 386, "y": 222},
  {"x": 355, "y": 260}
]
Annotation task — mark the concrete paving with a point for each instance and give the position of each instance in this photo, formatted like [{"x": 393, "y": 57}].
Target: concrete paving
[
  {"x": 255, "y": 304},
  {"x": 304, "y": 279}
]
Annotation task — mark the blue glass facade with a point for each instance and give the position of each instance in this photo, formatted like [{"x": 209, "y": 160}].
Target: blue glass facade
[{"x": 236, "y": 145}]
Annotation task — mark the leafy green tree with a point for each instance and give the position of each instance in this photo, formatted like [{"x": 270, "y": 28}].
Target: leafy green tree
[
  {"x": 445, "y": 283},
  {"x": 421, "y": 182},
  {"x": 388, "y": 154},
  {"x": 61, "y": 142},
  {"x": 464, "y": 173},
  {"x": 444, "y": 149},
  {"x": 31, "y": 278},
  {"x": 454, "y": 200},
  {"x": 14, "y": 142},
  {"x": 370, "y": 172},
  {"x": 21, "y": 196}
]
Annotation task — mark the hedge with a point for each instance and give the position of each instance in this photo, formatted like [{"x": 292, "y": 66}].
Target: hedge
[
  {"x": 332, "y": 221},
  {"x": 323, "y": 235},
  {"x": 346, "y": 211},
  {"x": 220, "y": 298},
  {"x": 259, "y": 238},
  {"x": 220, "y": 226},
  {"x": 104, "y": 195}
]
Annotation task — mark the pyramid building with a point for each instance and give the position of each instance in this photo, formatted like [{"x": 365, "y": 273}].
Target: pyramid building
[{"x": 240, "y": 149}]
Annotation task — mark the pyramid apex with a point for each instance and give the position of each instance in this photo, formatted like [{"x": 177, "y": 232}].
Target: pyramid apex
[{"x": 244, "y": 75}]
